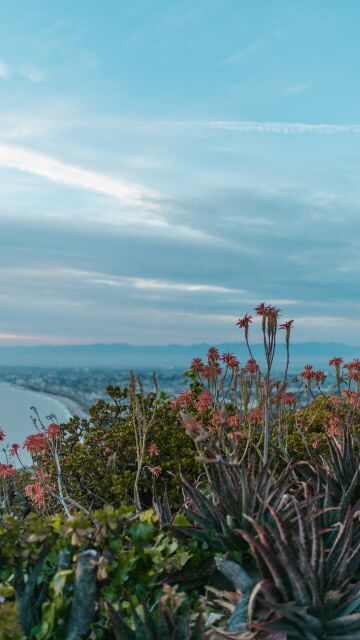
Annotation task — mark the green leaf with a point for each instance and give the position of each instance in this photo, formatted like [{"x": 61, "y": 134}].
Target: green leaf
[{"x": 181, "y": 521}]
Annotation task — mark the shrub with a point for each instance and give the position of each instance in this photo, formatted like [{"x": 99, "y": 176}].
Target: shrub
[
  {"x": 125, "y": 556},
  {"x": 98, "y": 456}
]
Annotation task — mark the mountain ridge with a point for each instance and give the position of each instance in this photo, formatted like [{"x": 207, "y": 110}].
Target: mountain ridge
[{"x": 122, "y": 355}]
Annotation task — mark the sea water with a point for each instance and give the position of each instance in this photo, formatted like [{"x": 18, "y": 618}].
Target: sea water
[{"x": 15, "y": 415}]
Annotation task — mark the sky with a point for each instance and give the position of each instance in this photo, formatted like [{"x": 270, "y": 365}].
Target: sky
[{"x": 166, "y": 165}]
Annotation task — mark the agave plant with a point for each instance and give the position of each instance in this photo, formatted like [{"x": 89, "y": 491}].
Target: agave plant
[
  {"x": 339, "y": 473},
  {"x": 307, "y": 589},
  {"x": 345, "y": 463},
  {"x": 240, "y": 494}
]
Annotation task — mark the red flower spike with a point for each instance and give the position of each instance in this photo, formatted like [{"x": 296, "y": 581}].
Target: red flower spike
[
  {"x": 217, "y": 418},
  {"x": 234, "y": 435},
  {"x": 230, "y": 360},
  {"x": 7, "y": 470},
  {"x": 13, "y": 450},
  {"x": 260, "y": 310},
  {"x": 36, "y": 443},
  {"x": 319, "y": 376},
  {"x": 252, "y": 367},
  {"x": 244, "y": 322},
  {"x": 53, "y": 431},
  {"x": 287, "y": 325},
  {"x": 272, "y": 312},
  {"x": 155, "y": 471},
  {"x": 213, "y": 355},
  {"x": 185, "y": 398},
  {"x": 153, "y": 449},
  {"x": 335, "y": 362},
  {"x": 204, "y": 401},
  {"x": 234, "y": 421},
  {"x": 36, "y": 493},
  {"x": 255, "y": 416},
  {"x": 197, "y": 365},
  {"x": 353, "y": 365},
  {"x": 307, "y": 373}
]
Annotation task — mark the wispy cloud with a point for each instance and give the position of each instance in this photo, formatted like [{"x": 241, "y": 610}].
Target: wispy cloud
[
  {"x": 16, "y": 338},
  {"x": 295, "y": 89},
  {"x": 58, "y": 274},
  {"x": 328, "y": 321},
  {"x": 15, "y": 157},
  {"x": 33, "y": 74},
  {"x": 151, "y": 284},
  {"x": 4, "y": 70},
  {"x": 73, "y": 123},
  {"x": 244, "y": 52},
  {"x": 241, "y": 126},
  {"x": 141, "y": 206},
  {"x": 246, "y": 126},
  {"x": 30, "y": 72}
]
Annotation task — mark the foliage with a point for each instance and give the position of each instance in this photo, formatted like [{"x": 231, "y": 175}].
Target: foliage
[
  {"x": 239, "y": 494},
  {"x": 170, "y": 619},
  {"x": 95, "y": 461},
  {"x": 243, "y": 517},
  {"x": 309, "y": 585},
  {"x": 38, "y": 560},
  {"x": 9, "y": 623},
  {"x": 98, "y": 455}
]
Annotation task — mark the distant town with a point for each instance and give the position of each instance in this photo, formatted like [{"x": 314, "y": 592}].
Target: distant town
[{"x": 83, "y": 385}]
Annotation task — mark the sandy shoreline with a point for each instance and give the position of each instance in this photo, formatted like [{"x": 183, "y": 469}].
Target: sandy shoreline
[
  {"x": 71, "y": 406},
  {"x": 16, "y": 414},
  {"x": 69, "y": 403}
]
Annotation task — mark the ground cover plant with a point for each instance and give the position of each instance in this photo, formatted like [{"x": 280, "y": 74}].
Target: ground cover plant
[{"x": 228, "y": 511}]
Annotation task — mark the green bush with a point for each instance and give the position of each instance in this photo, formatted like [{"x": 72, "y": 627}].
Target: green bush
[
  {"x": 306, "y": 427},
  {"x": 129, "y": 556},
  {"x": 98, "y": 455}
]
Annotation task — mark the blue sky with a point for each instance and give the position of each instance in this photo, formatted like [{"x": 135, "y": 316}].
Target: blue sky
[{"x": 166, "y": 165}]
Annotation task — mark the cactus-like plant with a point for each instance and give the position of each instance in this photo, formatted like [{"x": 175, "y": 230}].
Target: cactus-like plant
[
  {"x": 308, "y": 588},
  {"x": 241, "y": 492}
]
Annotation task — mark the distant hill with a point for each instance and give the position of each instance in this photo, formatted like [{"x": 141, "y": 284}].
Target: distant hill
[{"x": 125, "y": 356}]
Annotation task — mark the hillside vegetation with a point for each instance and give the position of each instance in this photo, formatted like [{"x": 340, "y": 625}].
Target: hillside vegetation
[{"x": 228, "y": 511}]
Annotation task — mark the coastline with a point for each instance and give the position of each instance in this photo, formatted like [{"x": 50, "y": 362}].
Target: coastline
[
  {"x": 72, "y": 407},
  {"x": 16, "y": 416}
]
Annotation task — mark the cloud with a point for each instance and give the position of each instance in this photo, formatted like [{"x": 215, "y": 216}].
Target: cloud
[
  {"x": 4, "y": 70},
  {"x": 246, "y": 126},
  {"x": 58, "y": 274},
  {"x": 33, "y": 74},
  {"x": 298, "y": 88},
  {"x": 141, "y": 206},
  {"x": 328, "y": 321},
  {"x": 148, "y": 283},
  {"x": 15, "y": 338},
  {"x": 244, "y": 52},
  {"x": 26, "y": 71},
  {"x": 240, "y": 126},
  {"x": 15, "y": 157}
]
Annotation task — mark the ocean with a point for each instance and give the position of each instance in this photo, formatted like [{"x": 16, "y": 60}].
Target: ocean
[{"x": 15, "y": 414}]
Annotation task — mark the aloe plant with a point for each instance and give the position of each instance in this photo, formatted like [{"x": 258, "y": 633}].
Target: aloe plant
[
  {"x": 307, "y": 588},
  {"x": 339, "y": 472},
  {"x": 241, "y": 493}
]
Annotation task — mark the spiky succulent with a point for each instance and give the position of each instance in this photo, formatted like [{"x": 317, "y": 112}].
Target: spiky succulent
[
  {"x": 238, "y": 493},
  {"x": 307, "y": 588},
  {"x": 338, "y": 473}
]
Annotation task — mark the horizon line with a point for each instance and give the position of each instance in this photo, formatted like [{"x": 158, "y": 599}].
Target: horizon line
[{"x": 70, "y": 345}]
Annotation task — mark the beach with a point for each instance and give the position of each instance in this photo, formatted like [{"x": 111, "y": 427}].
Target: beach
[{"x": 15, "y": 412}]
